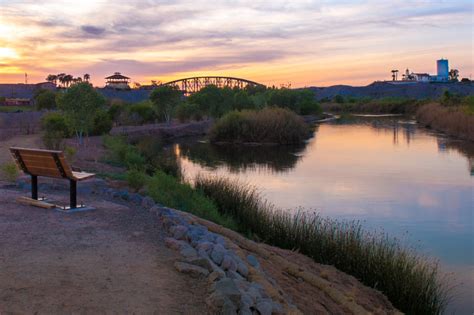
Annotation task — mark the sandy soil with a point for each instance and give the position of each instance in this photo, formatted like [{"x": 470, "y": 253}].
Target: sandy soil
[{"x": 111, "y": 260}]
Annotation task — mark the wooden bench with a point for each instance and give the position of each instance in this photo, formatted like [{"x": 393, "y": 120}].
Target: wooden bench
[{"x": 48, "y": 163}]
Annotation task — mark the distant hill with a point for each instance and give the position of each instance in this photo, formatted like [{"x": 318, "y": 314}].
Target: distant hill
[{"x": 384, "y": 89}]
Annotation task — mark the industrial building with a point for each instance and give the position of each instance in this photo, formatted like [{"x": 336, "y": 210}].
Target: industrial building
[{"x": 442, "y": 74}]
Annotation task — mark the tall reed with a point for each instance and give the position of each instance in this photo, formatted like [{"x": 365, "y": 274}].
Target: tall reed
[{"x": 410, "y": 281}]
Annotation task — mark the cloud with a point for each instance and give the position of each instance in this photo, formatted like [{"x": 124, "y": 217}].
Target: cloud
[{"x": 92, "y": 30}]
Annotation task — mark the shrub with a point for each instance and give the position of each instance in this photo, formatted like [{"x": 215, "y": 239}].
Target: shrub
[
  {"x": 45, "y": 99},
  {"x": 269, "y": 125},
  {"x": 136, "y": 179},
  {"x": 142, "y": 112},
  {"x": 188, "y": 111},
  {"x": 468, "y": 103},
  {"x": 9, "y": 172},
  {"x": 410, "y": 281},
  {"x": 70, "y": 153},
  {"x": 165, "y": 99},
  {"x": 338, "y": 99},
  {"x": 167, "y": 190},
  {"x": 55, "y": 130},
  {"x": 102, "y": 123}
]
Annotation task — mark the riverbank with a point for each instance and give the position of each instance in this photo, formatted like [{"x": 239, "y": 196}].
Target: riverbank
[{"x": 95, "y": 252}]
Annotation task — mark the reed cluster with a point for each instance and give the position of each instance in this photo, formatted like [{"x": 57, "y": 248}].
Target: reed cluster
[
  {"x": 269, "y": 125},
  {"x": 410, "y": 281},
  {"x": 456, "y": 121}
]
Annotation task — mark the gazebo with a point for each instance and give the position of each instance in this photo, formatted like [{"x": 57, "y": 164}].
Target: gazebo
[{"x": 117, "y": 81}]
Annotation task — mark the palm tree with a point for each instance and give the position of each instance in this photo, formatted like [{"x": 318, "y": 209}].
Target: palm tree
[
  {"x": 68, "y": 79},
  {"x": 87, "y": 77},
  {"x": 52, "y": 78},
  {"x": 60, "y": 78}
]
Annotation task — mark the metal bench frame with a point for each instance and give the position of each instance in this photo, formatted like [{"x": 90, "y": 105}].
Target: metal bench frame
[{"x": 63, "y": 169}]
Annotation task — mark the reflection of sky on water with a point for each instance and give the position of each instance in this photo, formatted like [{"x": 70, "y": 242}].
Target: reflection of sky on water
[{"x": 399, "y": 178}]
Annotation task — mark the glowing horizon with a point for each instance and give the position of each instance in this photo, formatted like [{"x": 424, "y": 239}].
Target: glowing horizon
[{"x": 302, "y": 43}]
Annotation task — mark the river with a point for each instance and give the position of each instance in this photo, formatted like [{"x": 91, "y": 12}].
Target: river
[{"x": 388, "y": 173}]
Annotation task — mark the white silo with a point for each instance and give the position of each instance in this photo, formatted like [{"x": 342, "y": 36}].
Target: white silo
[{"x": 443, "y": 69}]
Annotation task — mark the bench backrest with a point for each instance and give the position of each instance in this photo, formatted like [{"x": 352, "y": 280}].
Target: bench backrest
[{"x": 46, "y": 163}]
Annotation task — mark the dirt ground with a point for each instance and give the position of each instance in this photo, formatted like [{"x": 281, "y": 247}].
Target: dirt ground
[{"x": 109, "y": 261}]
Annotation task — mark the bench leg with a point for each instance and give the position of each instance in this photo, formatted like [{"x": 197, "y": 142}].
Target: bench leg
[
  {"x": 34, "y": 187},
  {"x": 73, "y": 194}
]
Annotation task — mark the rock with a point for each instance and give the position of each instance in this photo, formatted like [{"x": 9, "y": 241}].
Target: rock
[
  {"x": 252, "y": 260},
  {"x": 246, "y": 300},
  {"x": 124, "y": 195},
  {"x": 264, "y": 307},
  {"x": 220, "y": 240},
  {"x": 136, "y": 198},
  {"x": 179, "y": 232},
  {"x": 214, "y": 276},
  {"x": 205, "y": 245},
  {"x": 217, "y": 254},
  {"x": 147, "y": 203},
  {"x": 188, "y": 252},
  {"x": 192, "y": 270},
  {"x": 228, "y": 263},
  {"x": 175, "y": 244},
  {"x": 242, "y": 269},
  {"x": 254, "y": 293},
  {"x": 201, "y": 262},
  {"x": 226, "y": 287},
  {"x": 244, "y": 310},
  {"x": 228, "y": 308},
  {"x": 234, "y": 275}
]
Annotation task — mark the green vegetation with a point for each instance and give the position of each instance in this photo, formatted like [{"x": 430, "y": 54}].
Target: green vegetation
[
  {"x": 216, "y": 102},
  {"x": 164, "y": 188},
  {"x": 411, "y": 282},
  {"x": 9, "y": 172},
  {"x": 386, "y": 105},
  {"x": 165, "y": 101},
  {"x": 13, "y": 109},
  {"x": 171, "y": 192},
  {"x": 80, "y": 105},
  {"x": 45, "y": 99},
  {"x": 55, "y": 130},
  {"x": 269, "y": 125}
]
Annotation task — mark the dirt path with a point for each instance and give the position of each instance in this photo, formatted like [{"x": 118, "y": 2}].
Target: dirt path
[{"x": 112, "y": 260}]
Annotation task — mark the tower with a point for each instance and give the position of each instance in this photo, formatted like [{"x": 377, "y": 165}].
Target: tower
[{"x": 443, "y": 69}]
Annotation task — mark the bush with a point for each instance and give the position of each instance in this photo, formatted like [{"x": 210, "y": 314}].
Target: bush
[
  {"x": 55, "y": 130},
  {"x": 170, "y": 192},
  {"x": 269, "y": 125},
  {"x": 409, "y": 281},
  {"x": 45, "y": 99},
  {"x": 142, "y": 112},
  {"x": 102, "y": 123},
  {"x": 188, "y": 111},
  {"x": 136, "y": 179},
  {"x": 122, "y": 153},
  {"x": 9, "y": 172}
]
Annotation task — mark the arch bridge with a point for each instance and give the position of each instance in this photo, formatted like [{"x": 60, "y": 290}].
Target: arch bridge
[{"x": 195, "y": 84}]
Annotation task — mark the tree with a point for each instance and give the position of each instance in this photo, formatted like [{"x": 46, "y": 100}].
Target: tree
[
  {"x": 165, "y": 99},
  {"x": 80, "y": 105},
  {"x": 453, "y": 75},
  {"x": 52, "y": 78},
  {"x": 60, "y": 78},
  {"x": 87, "y": 77},
  {"x": 68, "y": 79},
  {"x": 45, "y": 99}
]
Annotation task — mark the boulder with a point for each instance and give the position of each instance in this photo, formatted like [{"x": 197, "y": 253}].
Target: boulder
[
  {"x": 228, "y": 263},
  {"x": 253, "y": 261},
  {"x": 188, "y": 252},
  {"x": 175, "y": 244},
  {"x": 265, "y": 306},
  {"x": 179, "y": 232},
  {"x": 217, "y": 254},
  {"x": 201, "y": 262},
  {"x": 192, "y": 270},
  {"x": 227, "y": 288}
]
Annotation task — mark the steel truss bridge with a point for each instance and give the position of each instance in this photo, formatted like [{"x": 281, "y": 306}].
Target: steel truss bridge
[{"x": 194, "y": 84}]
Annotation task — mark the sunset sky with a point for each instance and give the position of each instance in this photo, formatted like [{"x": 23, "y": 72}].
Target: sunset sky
[{"x": 305, "y": 43}]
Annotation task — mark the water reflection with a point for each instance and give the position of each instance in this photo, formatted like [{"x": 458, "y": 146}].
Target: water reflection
[
  {"x": 388, "y": 173},
  {"x": 237, "y": 159}
]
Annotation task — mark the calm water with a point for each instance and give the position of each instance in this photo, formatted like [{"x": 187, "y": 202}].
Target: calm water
[{"x": 388, "y": 173}]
